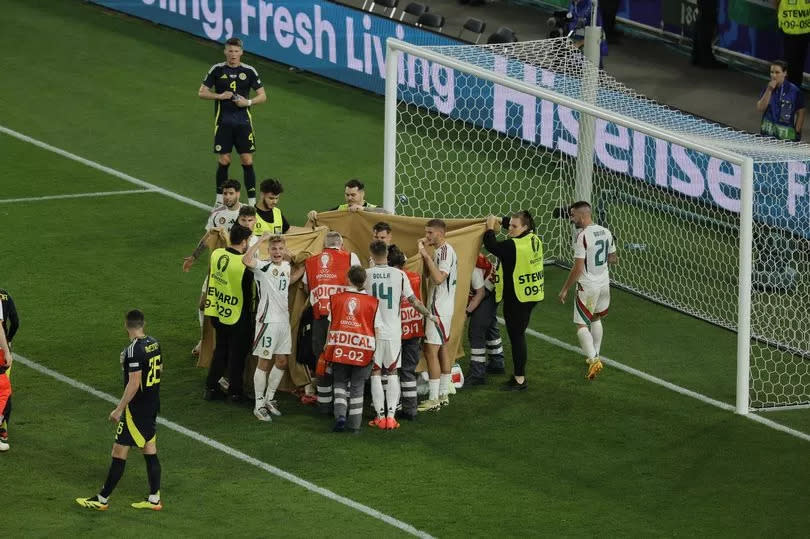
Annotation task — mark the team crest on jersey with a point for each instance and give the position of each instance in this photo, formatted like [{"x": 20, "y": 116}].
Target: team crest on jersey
[
  {"x": 242, "y": 76},
  {"x": 217, "y": 147},
  {"x": 324, "y": 260},
  {"x": 352, "y": 306},
  {"x": 222, "y": 220},
  {"x": 275, "y": 272}
]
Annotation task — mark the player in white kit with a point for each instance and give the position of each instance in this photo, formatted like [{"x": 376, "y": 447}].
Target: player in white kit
[
  {"x": 594, "y": 249},
  {"x": 442, "y": 269},
  {"x": 273, "y": 340},
  {"x": 389, "y": 285}
]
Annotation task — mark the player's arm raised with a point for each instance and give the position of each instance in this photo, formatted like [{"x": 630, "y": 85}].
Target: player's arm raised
[
  {"x": 249, "y": 258},
  {"x": 438, "y": 277},
  {"x": 133, "y": 383}
]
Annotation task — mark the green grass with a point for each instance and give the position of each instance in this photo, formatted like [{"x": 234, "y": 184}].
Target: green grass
[{"x": 617, "y": 457}]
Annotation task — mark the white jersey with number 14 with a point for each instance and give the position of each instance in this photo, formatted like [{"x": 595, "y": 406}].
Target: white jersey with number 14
[{"x": 594, "y": 243}]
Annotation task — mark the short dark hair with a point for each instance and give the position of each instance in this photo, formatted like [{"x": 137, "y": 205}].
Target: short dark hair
[
  {"x": 526, "y": 218},
  {"x": 782, "y": 65},
  {"x": 234, "y": 41},
  {"x": 437, "y": 223},
  {"x": 271, "y": 185},
  {"x": 378, "y": 248},
  {"x": 134, "y": 319},
  {"x": 382, "y": 225},
  {"x": 250, "y": 211},
  {"x": 357, "y": 276},
  {"x": 232, "y": 184},
  {"x": 239, "y": 234},
  {"x": 396, "y": 258},
  {"x": 354, "y": 182},
  {"x": 580, "y": 204}
]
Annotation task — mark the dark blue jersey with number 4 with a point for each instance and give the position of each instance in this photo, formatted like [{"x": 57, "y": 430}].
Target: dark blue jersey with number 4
[{"x": 239, "y": 80}]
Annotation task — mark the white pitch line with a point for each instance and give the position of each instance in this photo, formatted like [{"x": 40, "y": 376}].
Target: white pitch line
[
  {"x": 669, "y": 385},
  {"x": 75, "y": 195},
  {"x": 102, "y": 168},
  {"x": 235, "y": 453},
  {"x": 551, "y": 340}
]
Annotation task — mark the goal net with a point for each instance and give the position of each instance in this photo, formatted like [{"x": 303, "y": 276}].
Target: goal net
[{"x": 496, "y": 128}]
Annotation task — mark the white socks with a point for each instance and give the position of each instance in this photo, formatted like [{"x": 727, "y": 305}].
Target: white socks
[
  {"x": 596, "y": 333},
  {"x": 392, "y": 394},
  {"x": 444, "y": 382},
  {"x": 273, "y": 381},
  {"x": 377, "y": 395},
  {"x": 433, "y": 386},
  {"x": 586, "y": 342},
  {"x": 259, "y": 385}
]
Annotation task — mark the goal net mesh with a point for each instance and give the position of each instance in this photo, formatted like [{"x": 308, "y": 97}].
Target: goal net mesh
[{"x": 467, "y": 146}]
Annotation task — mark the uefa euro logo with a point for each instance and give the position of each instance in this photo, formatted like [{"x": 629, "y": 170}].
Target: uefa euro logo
[
  {"x": 222, "y": 263},
  {"x": 324, "y": 260},
  {"x": 352, "y": 306}
]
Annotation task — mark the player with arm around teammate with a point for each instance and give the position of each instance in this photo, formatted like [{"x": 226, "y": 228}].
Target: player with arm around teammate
[
  {"x": 594, "y": 249},
  {"x": 273, "y": 339},
  {"x": 136, "y": 415}
]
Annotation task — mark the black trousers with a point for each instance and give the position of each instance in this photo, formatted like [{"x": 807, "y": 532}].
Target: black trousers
[
  {"x": 795, "y": 55},
  {"x": 517, "y": 316},
  {"x": 704, "y": 32},
  {"x": 233, "y": 345},
  {"x": 609, "y": 9}
]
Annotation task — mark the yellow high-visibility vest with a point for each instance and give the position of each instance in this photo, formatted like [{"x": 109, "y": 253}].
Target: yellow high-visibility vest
[{"x": 224, "y": 299}]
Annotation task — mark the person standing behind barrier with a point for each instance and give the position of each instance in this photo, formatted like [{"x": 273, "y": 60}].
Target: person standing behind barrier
[
  {"x": 782, "y": 105},
  {"x": 413, "y": 329},
  {"x": 520, "y": 283},
  {"x": 793, "y": 17},
  {"x": 324, "y": 276},
  {"x": 228, "y": 302},
  {"x": 483, "y": 331}
]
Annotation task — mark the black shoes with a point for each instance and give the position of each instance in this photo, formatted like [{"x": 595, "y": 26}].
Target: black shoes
[{"x": 513, "y": 385}]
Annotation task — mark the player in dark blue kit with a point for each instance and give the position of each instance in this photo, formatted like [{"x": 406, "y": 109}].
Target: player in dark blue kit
[
  {"x": 136, "y": 415},
  {"x": 229, "y": 84}
]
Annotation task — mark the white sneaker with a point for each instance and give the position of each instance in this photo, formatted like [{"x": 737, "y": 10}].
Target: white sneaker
[
  {"x": 262, "y": 414},
  {"x": 4, "y": 446},
  {"x": 272, "y": 407}
]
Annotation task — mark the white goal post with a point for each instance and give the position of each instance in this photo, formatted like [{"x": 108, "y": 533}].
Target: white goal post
[{"x": 441, "y": 135}]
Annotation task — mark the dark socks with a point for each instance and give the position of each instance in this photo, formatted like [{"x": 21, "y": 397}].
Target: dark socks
[
  {"x": 250, "y": 180},
  {"x": 222, "y": 177},
  {"x": 113, "y": 476},
  {"x": 153, "y": 473}
]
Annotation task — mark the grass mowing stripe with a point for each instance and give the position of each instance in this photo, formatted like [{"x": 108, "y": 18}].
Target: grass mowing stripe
[
  {"x": 102, "y": 168},
  {"x": 669, "y": 385},
  {"x": 76, "y": 195},
  {"x": 278, "y": 472},
  {"x": 635, "y": 372}
]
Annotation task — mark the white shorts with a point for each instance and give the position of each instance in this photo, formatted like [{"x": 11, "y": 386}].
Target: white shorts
[
  {"x": 272, "y": 338},
  {"x": 439, "y": 332},
  {"x": 387, "y": 355},
  {"x": 591, "y": 302}
]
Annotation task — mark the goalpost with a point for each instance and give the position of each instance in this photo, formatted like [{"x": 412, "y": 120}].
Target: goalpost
[{"x": 709, "y": 221}]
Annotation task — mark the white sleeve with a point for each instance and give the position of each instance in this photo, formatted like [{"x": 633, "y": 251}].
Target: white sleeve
[
  {"x": 445, "y": 264},
  {"x": 209, "y": 223},
  {"x": 477, "y": 280},
  {"x": 612, "y": 248},
  {"x": 355, "y": 260},
  {"x": 2, "y": 317},
  {"x": 260, "y": 268},
  {"x": 407, "y": 290},
  {"x": 579, "y": 245}
]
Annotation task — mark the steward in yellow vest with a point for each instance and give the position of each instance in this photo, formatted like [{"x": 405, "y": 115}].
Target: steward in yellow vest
[
  {"x": 519, "y": 282},
  {"x": 268, "y": 215},
  {"x": 228, "y": 301}
]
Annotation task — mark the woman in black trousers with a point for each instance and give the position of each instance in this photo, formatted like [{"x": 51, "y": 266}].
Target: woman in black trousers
[{"x": 516, "y": 313}]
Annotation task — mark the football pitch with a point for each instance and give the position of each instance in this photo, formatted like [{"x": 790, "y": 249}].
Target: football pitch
[{"x": 621, "y": 456}]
